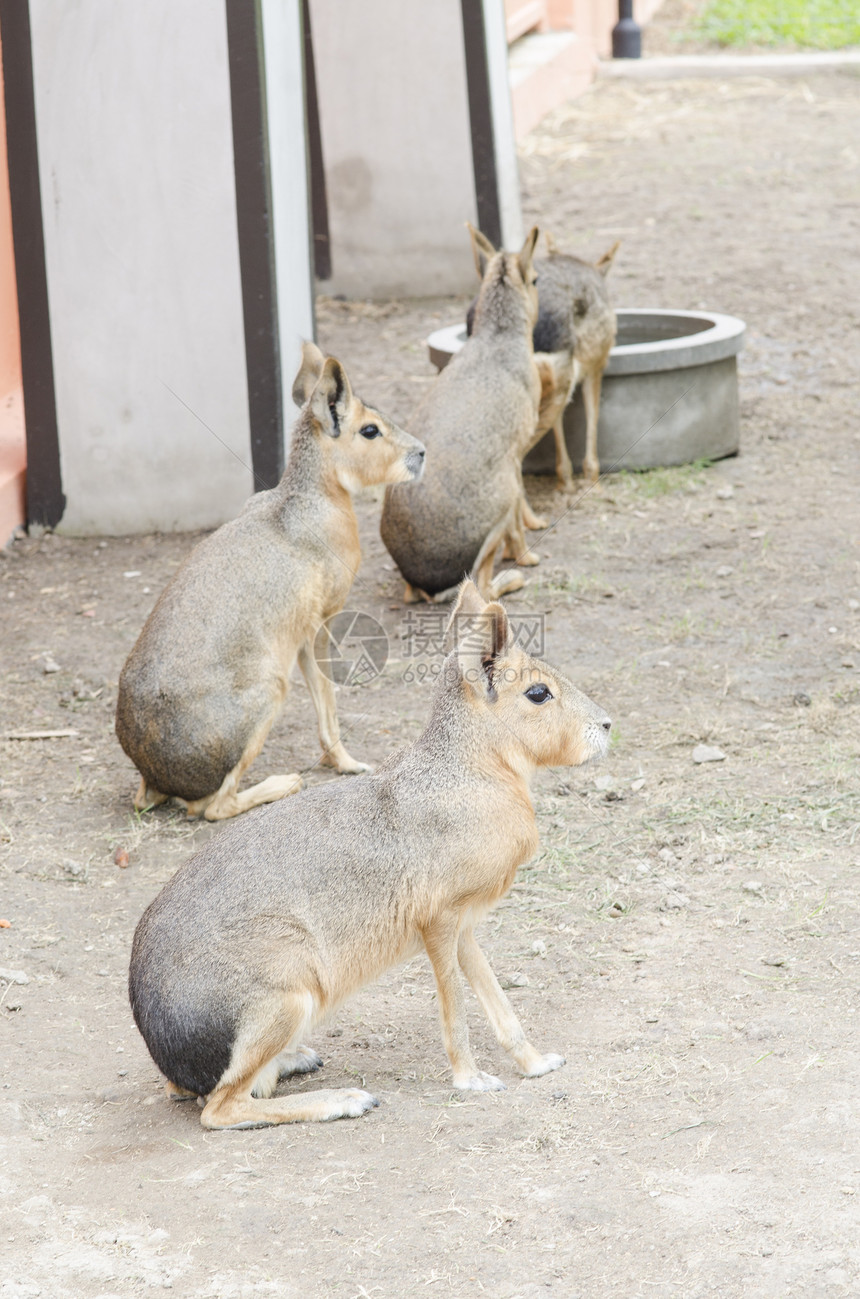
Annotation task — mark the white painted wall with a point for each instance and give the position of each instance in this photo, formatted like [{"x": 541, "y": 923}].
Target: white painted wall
[
  {"x": 282, "y": 35},
  {"x": 136, "y": 166},
  {"x": 507, "y": 171},
  {"x": 394, "y": 113}
]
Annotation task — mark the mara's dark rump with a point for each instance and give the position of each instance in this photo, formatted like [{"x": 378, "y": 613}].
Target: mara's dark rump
[
  {"x": 191, "y": 1044},
  {"x": 553, "y": 331},
  {"x": 174, "y": 750}
]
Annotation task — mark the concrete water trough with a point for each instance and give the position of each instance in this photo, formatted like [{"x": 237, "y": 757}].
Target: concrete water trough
[{"x": 670, "y": 392}]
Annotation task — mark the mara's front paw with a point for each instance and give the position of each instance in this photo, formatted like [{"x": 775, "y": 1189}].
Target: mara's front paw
[
  {"x": 303, "y": 1060},
  {"x": 480, "y": 1082},
  {"x": 545, "y": 1064}
]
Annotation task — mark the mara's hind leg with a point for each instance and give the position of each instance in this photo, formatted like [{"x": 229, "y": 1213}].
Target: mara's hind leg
[
  {"x": 231, "y": 802},
  {"x": 559, "y": 374},
  {"x": 563, "y": 467},
  {"x": 228, "y": 800},
  {"x": 499, "y": 1010},
  {"x": 591, "y": 397},
  {"x": 516, "y": 546},
  {"x": 145, "y": 798},
  {"x": 482, "y": 572},
  {"x": 233, "y": 1105},
  {"x": 322, "y": 693}
]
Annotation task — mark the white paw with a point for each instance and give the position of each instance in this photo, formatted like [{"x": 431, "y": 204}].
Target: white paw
[
  {"x": 303, "y": 1060},
  {"x": 546, "y": 1064},
  {"x": 480, "y": 1082},
  {"x": 352, "y": 1103}
]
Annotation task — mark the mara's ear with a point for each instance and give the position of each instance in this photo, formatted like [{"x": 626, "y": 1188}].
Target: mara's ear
[
  {"x": 481, "y": 636},
  {"x": 331, "y": 397},
  {"x": 605, "y": 262},
  {"x": 482, "y": 249},
  {"x": 468, "y": 603},
  {"x": 551, "y": 245},
  {"x": 309, "y": 371},
  {"x": 527, "y": 252}
]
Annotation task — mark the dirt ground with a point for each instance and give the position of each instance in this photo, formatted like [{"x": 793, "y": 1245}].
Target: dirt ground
[{"x": 688, "y": 933}]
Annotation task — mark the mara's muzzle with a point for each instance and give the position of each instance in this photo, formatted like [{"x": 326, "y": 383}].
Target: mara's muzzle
[
  {"x": 414, "y": 462},
  {"x": 597, "y": 736}
]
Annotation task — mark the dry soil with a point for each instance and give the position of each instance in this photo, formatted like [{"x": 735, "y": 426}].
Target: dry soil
[{"x": 688, "y": 933}]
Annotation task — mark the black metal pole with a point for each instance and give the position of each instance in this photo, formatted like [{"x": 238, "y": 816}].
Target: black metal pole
[{"x": 626, "y": 34}]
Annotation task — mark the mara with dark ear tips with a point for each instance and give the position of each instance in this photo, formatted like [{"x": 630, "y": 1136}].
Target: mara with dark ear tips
[
  {"x": 478, "y": 420},
  {"x": 211, "y": 668},
  {"x": 573, "y": 336},
  {"x": 290, "y": 910}
]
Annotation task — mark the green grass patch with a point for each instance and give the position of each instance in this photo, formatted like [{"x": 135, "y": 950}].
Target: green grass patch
[
  {"x": 651, "y": 483},
  {"x": 816, "y": 24}
]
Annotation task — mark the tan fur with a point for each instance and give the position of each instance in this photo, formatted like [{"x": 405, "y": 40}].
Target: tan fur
[
  {"x": 211, "y": 668},
  {"x": 478, "y": 420},
  {"x": 285, "y": 914},
  {"x": 577, "y": 320}
]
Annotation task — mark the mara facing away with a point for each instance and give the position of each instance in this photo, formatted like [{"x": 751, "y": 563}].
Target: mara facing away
[
  {"x": 478, "y": 420},
  {"x": 573, "y": 337}
]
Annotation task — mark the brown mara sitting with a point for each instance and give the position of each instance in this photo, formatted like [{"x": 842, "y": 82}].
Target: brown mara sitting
[
  {"x": 210, "y": 670},
  {"x": 286, "y": 913}
]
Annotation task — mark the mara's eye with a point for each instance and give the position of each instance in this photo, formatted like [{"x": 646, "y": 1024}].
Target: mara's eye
[
  {"x": 539, "y": 694},
  {"x": 370, "y": 431}
]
